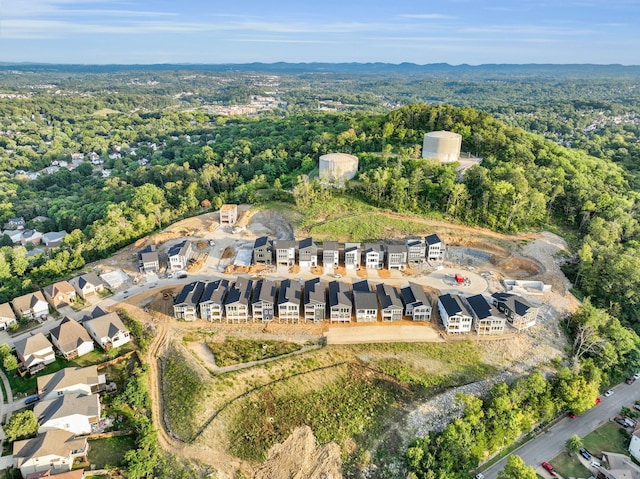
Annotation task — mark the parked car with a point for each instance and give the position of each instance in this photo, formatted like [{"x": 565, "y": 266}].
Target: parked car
[
  {"x": 595, "y": 464},
  {"x": 337, "y": 275},
  {"x": 479, "y": 476},
  {"x": 31, "y": 399},
  {"x": 572, "y": 415},
  {"x": 584, "y": 453},
  {"x": 598, "y": 401},
  {"x": 212, "y": 243},
  {"x": 630, "y": 380},
  {"x": 549, "y": 468},
  {"x": 636, "y": 407},
  {"x": 608, "y": 393},
  {"x": 636, "y": 376},
  {"x": 622, "y": 422}
]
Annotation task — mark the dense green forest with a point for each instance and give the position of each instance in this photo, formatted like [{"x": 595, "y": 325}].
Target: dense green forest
[{"x": 161, "y": 148}]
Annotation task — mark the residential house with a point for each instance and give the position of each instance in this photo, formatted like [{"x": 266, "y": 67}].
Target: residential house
[
  {"x": 75, "y": 413},
  {"x": 228, "y": 215},
  {"x": 34, "y": 353},
  {"x": 179, "y": 255},
  {"x": 520, "y": 313},
  {"x": 373, "y": 256},
  {"x": 53, "y": 238},
  {"x": 620, "y": 466},
  {"x": 71, "y": 339},
  {"x": 148, "y": 260},
  {"x": 634, "y": 445},
  {"x": 352, "y": 256},
  {"x": 15, "y": 235},
  {"x": 262, "y": 251},
  {"x": 389, "y": 301},
  {"x": 31, "y": 305},
  {"x": 416, "y": 250},
  {"x": 186, "y": 303},
  {"x": 365, "y": 303},
  {"x": 340, "y": 304},
  {"x": 454, "y": 313},
  {"x": 60, "y": 294},
  {"x": 7, "y": 316},
  {"x": 417, "y": 304},
  {"x": 74, "y": 381},
  {"x": 315, "y": 300},
  {"x": 87, "y": 285},
  {"x": 307, "y": 254},
  {"x": 285, "y": 252},
  {"x": 73, "y": 474},
  {"x": 263, "y": 300},
  {"x": 113, "y": 279},
  {"x": 108, "y": 331},
  {"x": 54, "y": 450},
  {"x": 397, "y": 257},
  {"x": 330, "y": 256},
  {"x": 30, "y": 236},
  {"x": 15, "y": 223},
  {"x": 486, "y": 317},
  {"x": 289, "y": 300},
  {"x": 237, "y": 300},
  {"x": 212, "y": 300},
  {"x": 435, "y": 248}
]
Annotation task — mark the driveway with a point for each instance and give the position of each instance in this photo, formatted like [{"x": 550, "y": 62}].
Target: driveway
[{"x": 551, "y": 443}]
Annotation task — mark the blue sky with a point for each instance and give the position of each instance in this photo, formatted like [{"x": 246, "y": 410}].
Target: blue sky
[{"x": 395, "y": 31}]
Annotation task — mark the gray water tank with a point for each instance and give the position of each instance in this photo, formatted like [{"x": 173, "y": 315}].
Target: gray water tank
[
  {"x": 338, "y": 167},
  {"x": 443, "y": 146}
]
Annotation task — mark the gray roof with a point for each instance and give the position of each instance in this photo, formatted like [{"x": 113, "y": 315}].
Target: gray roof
[
  {"x": 107, "y": 326},
  {"x": 190, "y": 294},
  {"x": 87, "y": 278},
  {"x": 285, "y": 244},
  {"x": 67, "y": 405},
  {"x": 215, "y": 291},
  {"x": 414, "y": 294},
  {"x": 432, "y": 239},
  {"x": 339, "y": 294},
  {"x": 68, "y": 377},
  {"x": 396, "y": 248},
  {"x": 27, "y": 301},
  {"x": 365, "y": 300},
  {"x": 373, "y": 247},
  {"x": 53, "y": 236},
  {"x": 453, "y": 305},
  {"x": 290, "y": 292},
  {"x": 56, "y": 442},
  {"x": 70, "y": 335},
  {"x": 514, "y": 302},
  {"x": 265, "y": 291},
  {"x": 388, "y": 296},
  {"x": 480, "y": 307},
  {"x": 307, "y": 243},
  {"x": 414, "y": 242},
  {"x": 261, "y": 241},
  {"x": 179, "y": 249},
  {"x": 330, "y": 246},
  {"x": 239, "y": 292},
  {"x": 32, "y": 344},
  {"x": 315, "y": 291}
]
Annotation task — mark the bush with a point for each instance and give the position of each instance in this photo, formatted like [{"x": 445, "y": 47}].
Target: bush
[{"x": 21, "y": 425}]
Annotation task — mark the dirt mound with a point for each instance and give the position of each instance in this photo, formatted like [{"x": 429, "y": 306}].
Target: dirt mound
[
  {"x": 271, "y": 223},
  {"x": 521, "y": 267},
  {"x": 300, "y": 457}
]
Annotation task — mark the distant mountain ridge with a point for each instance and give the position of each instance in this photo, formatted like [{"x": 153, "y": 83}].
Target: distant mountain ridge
[{"x": 378, "y": 67}]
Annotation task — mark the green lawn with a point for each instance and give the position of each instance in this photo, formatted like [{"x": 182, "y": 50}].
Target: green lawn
[
  {"x": 110, "y": 451},
  {"x": 606, "y": 438},
  {"x": 569, "y": 466}
]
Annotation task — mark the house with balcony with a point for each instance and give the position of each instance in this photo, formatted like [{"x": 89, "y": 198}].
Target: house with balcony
[
  {"x": 315, "y": 300},
  {"x": 148, "y": 260},
  {"x": 262, "y": 251},
  {"x": 74, "y": 381},
  {"x": 289, "y": 300},
  {"x": 340, "y": 302},
  {"x": 352, "y": 256},
  {"x": 74, "y": 413},
  {"x": 54, "y": 451},
  {"x": 307, "y": 254},
  {"x": 389, "y": 302},
  {"x": 238, "y": 300},
  {"x": 454, "y": 313},
  {"x": 520, "y": 313},
  {"x": 417, "y": 303},
  {"x": 71, "y": 339},
  {"x": 416, "y": 250},
  {"x": 263, "y": 300},
  {"x": 396, "y": 257},
  {"x": 211, "y": 303},
  {"x": 365, "y": 303},
  {"x": 34, "y": 353},
  {"x": 31, "y": 305},
  {"x": 285, "y": 251},
  {"x": 108, "y": 331},
  {"x": 330, "y": 256},
  {"x": 374, "y": 255},
  {"x": 487, "y": 319},
  {"x": 179, "y": 255},
  {"x": 435, "y": 248},
  {"x": 60, "y": 294},
  {"x": 185, "y": 305},
  {"x": 228, "y": 215}
]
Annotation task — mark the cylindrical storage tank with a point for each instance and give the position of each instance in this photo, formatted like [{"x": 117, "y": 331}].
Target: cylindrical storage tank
[
  {"x": 338, "y": 167},
  {"x": 443, "y": 146}
]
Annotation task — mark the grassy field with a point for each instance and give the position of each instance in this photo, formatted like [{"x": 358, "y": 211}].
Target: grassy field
[
  {"x": 236, "y": 351},
  {"x": 569, "y": 466},
  {"x": 609, "y": 437},
  {"x": 110, "y": 451}
]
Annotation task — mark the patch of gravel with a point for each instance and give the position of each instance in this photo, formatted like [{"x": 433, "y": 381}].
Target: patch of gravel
[{"x": 545, "y": 249}]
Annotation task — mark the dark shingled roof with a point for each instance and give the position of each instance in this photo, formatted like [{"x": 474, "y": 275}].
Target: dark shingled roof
[
  {"x": 262, "y": 241},
  {"x": 290, "y": 292},
  {"x": 315, "y": 291},
  {"x": 339, "y": 294},
  {"x": 514, "y": 302},
  {"x": 365, "y": 300},
  {"x": 191, "y": 293},
  {"x": 414, "y": 294},
  {"x": 240, "y": 292},
  {"x": 480, "y": 307},
  {"x": 265, "y": 290},
  {"x": 362, "y": 286},
  {"x": 452, "y": 304},
  {"x": 432, "y": 239},
  {"x": 388, "y": 296}
]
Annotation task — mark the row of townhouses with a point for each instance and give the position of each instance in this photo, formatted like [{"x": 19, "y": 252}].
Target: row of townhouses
[
  {"x": 71, "y": 339},
  {"x": 314, "y": 301},
  {"x": 353, "y": 256}
]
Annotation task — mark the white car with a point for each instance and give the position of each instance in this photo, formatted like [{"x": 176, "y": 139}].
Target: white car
[
  {"x": 608, "y": 393},
  {"x": 636, "y": 376},
  {"x": 337, "y": 275},
  {"x": 479, "y": 476}
]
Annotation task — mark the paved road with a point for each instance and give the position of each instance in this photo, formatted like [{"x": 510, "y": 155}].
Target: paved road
[{"x": 548, "y": 445}]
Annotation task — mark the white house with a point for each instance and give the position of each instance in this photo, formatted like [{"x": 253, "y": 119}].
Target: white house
[
  {"x": 179, "y": 255},
  {"x": 70, "y": 412},
  {"x": 75, "y": 381},
  {"x": 71, "y": 339},
  {"x": 7, "y": 316},
  {"x": 435, "y": 248},
  {"x": 54, "y": 450},
  {"x": 289, "y": 300},
  {"x": 108, "y": 331},
  {"x": 32, "y": 305},
  {"x": 416, "y": 302},
  {"x": 454, "y": 313},
  {"x": 486, "y": 317}
]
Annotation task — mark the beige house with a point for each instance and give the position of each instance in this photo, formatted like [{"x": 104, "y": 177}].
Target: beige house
[
  {"x": 75, "y": 474},
  {"x": 620, "y": 467},
  {"x": 53, "y": 450},
  {"x": 108, "y": 331},
  {"x": 34, "y": 353},
  {"x": 73, "y": 381},
  {"x": 228, "y": 215},
  {"x": 7, "y": 316},
  {"x": 70, "y": 412},
  {"x": 71, "y": 339},
  {"x": 87, "y": 285},
  {"x": 60, "y": 294},
  {"x": 32, "y": 305}
]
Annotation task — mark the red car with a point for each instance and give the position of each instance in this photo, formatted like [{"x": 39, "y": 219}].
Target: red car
[{"x": 549, "y": 468}]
